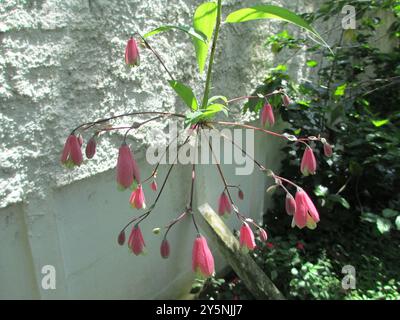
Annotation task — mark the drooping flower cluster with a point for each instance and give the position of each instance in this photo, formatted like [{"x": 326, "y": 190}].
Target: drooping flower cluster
[{"x": 128, "y": 177}]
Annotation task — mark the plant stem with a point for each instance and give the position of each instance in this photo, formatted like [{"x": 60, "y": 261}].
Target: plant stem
[
  {"x": 210, "y": 63},
  {"x": 157, "y": 56},
  {"x": 141, "y": 113}
]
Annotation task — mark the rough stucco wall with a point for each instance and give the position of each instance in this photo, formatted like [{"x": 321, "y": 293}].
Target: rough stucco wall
[{"x": 61, "y": 63}]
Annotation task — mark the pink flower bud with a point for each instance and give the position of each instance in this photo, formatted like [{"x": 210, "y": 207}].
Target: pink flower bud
[
  {"x": 132, "y": 57},
  {"x": 72, "y": 153},
  {"x": 246, "y": 238},
  {"x": 290, "y": 204},
  {"x": 308, "y": 162},
  {"x": 224, "y": 205},
  {"x": 328, "y": 150},
  {"x": 267, "y": 115},
  {"x": 306, "y": 214},
  {"x": 241, "y": 194},
  {"x": 164, "y": 249},
  {"x": 127, "y": 169},
  {"x": 286, "y": 100},
  {"x": 121, "y": 238},
  {"x": 270, "y": 245},
  {"x": 263, "y": 235},
  {"x": 300, "y": 246},
  {"x": 137, "y": 199},
  {"x": 136, "y": 241},
  {"x": 202, "y": 259},
  {"x": 154, "y": 185},
  {"x": 90, "y": 148}
]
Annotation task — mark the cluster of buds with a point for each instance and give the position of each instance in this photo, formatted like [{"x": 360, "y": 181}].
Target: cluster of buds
[{"x": 128, "y": 177}]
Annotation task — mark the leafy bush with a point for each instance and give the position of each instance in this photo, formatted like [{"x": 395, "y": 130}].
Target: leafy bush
[{"x": 354, "y": 103}]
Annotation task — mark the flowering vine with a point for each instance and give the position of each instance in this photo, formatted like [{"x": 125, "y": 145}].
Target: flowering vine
[{"x": 204, "y": 33}]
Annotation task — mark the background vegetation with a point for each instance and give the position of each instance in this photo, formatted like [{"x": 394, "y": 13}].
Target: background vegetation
[{"x": 353, "y": 102}]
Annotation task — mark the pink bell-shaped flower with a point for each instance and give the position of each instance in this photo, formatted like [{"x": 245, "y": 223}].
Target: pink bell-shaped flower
[
  {"x": 267, "y": 115},
  {"x": 224, "y": 204},
  {"x": 137, "y": 199},
  {"x": 246, "y": 238},
  {"x": 90, "y": 148},
  {"x": 286, "y": 100},
  {"x": 121, "y": 238},
  {"x": 164, "y": 249},
  {"x": 202, "y": 259},
  {"x": 290, "y": 204},
  {"x": 72, "y": 153},
  {"x": 306, "y": 214},
  {"x": 308, "y": 162},
  {"x": 153, "y": 185},
  {"x": 132, "y": 57},
  {"x": 263, "y": 235},
  {"x": 136, "y": 241},
  {"x": 127, "y": 168},
  {"x": 328, "y": 150}
]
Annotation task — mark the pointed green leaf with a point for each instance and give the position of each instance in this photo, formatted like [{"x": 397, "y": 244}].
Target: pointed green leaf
[
  {"x": 397, "y": 222},
  {"x": 189, "y": 30},
  {"x": 390, "y": 213},
  {"x": 204, "y": 21},
  {"x": 185, "y": 93},
  {"x": 379, "y": 123},
  {"x": 271, "y": 12},
  {"x": 312, "y": 63},
  {"x": 214, "y": 98},
  {"x": 340, "y": 90},
  {"x": 383, "y": 225}
]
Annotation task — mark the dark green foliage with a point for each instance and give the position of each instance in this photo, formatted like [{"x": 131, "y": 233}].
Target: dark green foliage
[{"x": 354, "y": 103}]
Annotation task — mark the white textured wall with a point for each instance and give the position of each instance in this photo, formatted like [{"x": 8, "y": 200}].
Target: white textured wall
[{"x": 61, "y": 63}]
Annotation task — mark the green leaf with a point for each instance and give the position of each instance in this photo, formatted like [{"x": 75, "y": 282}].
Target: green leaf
[
  {"x": 271, "y": 12},
  {"x": 383, "y": 225},
  {"x": 198, "y": 36},
  {"x": 192, "y": 117},
  {"x": 339, "y": 199},
  {"x": 369, "y": 217},
  {"x": 312, "y": 63},
  {"x": 397, "y": 223},
  {"x": 379, "y": 123},
  {"x": 389, "y": 213},
  {"x": 185, "y": 93},
  {"x": 214, "y": 98},
  {"x": 340, "y": 90},
  {"x": 212, "y": 109},
  {"x": 204, "y": 21},
  {"x": 321, "y": 191}
]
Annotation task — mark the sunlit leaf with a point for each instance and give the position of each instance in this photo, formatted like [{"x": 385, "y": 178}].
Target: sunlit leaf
[
  {"x": 321, "y": 191},
  {"x": 383, "y": 225},
  {"x": 397, "y": 223},
  {"x": 340, "y": 90},
  {"x": 312, "y": 63},
  {"x": 379, "y": 123},
  {"x": 204, "y": 21},
  {"x": 214, "y": 98},
  {"x": 185, "y": 93},
  {"x": 272, "y": 12}
]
